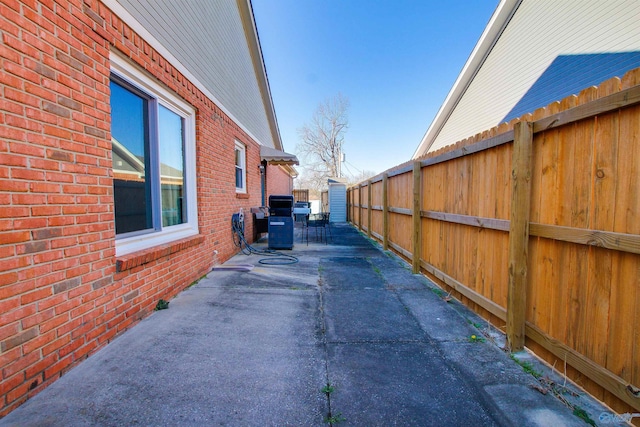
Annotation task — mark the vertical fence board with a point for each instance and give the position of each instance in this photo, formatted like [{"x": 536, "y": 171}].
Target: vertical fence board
[
  {"x": 563, "y": 206},
  {"x": 548, "y": 268},
  {"x": 579, "y": 170},
  {"x": 597, "y": 305}
]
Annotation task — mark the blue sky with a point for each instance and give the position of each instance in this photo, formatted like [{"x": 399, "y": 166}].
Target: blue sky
[{"x": 395, "y": 60}]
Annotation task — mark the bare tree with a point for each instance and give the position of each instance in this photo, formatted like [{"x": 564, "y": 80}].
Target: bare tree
[{"x": 321, "y": 140}]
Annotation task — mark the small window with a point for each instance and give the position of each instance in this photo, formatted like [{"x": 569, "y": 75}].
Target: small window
[
  {"x": 241, "y": 169},
  {"x": 153, "y": 153}
]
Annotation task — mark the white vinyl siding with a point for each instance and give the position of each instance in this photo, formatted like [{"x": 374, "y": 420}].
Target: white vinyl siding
[
  {"x": 539, "y": 31},
  {"x": 208, "y": 39},
  {"x": 338, "y": 202}
]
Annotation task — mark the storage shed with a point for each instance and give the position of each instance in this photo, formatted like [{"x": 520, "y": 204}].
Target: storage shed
[{"x": 338, "y": 199}]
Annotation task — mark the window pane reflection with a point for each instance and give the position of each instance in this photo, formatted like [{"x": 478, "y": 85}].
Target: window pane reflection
[
  {"x": 239, "y": 168},
  {"x": 171, "y": 146},
  {"x": 130, "y": 149}
]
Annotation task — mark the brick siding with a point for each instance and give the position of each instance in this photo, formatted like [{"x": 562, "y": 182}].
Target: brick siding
[
  {"x": 63, "y": 292},
  {"x": 278, "y": 181}
]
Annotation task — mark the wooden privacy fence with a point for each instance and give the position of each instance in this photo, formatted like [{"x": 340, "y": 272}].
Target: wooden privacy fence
[
  {"x": 536, "y": 226},
  {"x": 301, "y": 195}
]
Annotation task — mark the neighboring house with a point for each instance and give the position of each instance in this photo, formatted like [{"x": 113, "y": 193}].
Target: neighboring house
[
  {"x": 130, "y": 132},
  {"x": 533, "y": 53}
]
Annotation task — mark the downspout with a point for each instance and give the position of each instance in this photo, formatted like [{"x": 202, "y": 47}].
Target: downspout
[{"x": 263, "y": 181}]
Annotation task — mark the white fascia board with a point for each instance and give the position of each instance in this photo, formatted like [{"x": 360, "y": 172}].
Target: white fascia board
[
  {"x": 136, "y": 26},
  {"x": 498, "y": 22},
  {"x": 256, "y": 51}
]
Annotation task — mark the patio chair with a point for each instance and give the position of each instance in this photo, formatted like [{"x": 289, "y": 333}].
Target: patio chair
[
  {"x": 319, "y": 223},
  {"x": 327, "y": 224}
]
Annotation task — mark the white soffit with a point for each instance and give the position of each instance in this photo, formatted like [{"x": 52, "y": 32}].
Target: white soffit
[{"x": 139, "y": 28}]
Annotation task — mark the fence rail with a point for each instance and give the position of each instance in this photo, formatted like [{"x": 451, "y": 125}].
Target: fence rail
[{"x": 534, "y": 224}]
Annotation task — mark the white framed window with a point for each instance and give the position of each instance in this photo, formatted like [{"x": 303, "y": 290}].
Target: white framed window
[
  {"x": 154, "y": 167},
  {"x": 241, "y": 167}
]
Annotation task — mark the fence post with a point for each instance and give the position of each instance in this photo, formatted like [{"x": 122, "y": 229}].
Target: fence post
[
  {"x": 353, "y": 208},
  {"x": 369, "y": 210},
  {"x": 348, "y": 204},
  {"x": 360, "y": 206},
  {"x": 417, "y": 221},
  {"x": 385, "y": 212},
  {"x": 519, "y": 234}
]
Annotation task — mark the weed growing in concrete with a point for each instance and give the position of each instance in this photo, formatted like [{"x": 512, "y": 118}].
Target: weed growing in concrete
[
  {"x": 162, "y": 305},
  {"x": 438, "y": 292},
  {"x": 582, "y": 414},
  {"x": 475, "y": 338},
  {"x": 331, "y": 419},
  {"x": 328, "y": 389},
  {"x": 527, "y": 367},
  {"x": 334, "y": 419},
  {"x": 475, "y": 324},
  {"x": 195, "y": 282}
]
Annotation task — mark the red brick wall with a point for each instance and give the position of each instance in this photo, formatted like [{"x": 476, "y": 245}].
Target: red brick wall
[
  {"x": 63, "y": 292},
  {"x": 278, "y": 181}
]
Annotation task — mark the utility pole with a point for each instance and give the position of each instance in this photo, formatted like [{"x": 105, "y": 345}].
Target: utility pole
[{"x": 341, "y": 158}]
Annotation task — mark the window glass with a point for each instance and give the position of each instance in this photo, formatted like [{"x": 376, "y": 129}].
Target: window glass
[
  {"x": 171, "y": 144},
  {"x": 240, "y": 168},
  {"x": 154, "y": 160},
  {"x": 131, "y": 160}
]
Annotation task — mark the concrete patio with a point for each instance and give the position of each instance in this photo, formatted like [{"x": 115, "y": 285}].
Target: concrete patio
[{"x": 346, "y": 336}]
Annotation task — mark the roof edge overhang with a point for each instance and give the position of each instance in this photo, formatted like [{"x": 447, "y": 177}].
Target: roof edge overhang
[
  {"x": 293, "y": 173},
  {"x": 253, "y": 39},
  {"x": 246, "y": 14},
  {"x": 492, "y": 32},
  {"x": 277, "y": 157}
]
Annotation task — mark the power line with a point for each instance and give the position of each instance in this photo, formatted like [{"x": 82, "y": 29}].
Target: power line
[{"x": 358, "y": 170}]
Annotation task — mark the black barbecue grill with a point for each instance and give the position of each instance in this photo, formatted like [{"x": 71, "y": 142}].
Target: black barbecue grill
[{"x": 280, "y": 222}]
